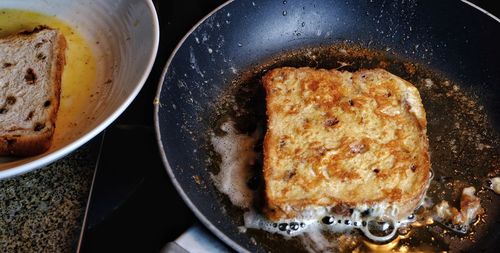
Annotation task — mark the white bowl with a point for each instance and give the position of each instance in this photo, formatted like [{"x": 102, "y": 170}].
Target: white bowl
[{"x": 123, "y": 36}]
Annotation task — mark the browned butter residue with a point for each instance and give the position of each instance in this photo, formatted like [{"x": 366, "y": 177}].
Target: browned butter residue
[{"x": 464, "y": 146}]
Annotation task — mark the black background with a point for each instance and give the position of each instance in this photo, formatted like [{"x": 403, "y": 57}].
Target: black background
[{"x": 135, "y": 208}]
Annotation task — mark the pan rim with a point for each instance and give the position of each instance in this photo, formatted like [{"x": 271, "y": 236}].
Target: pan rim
[
  {"x": 157, "y": 104},
  {"x": 481, "y": 10}
]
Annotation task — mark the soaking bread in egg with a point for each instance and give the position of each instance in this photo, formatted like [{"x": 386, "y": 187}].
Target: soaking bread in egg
[{"x": 32, "y": 63}]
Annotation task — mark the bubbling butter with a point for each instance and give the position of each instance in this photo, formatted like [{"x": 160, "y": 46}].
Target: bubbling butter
[
  {"x": 374, "y": 227},
  {"x": 377, "y": 222},
  {"x": 495, "y": 184},
  {"x": 237, "y": 155}
]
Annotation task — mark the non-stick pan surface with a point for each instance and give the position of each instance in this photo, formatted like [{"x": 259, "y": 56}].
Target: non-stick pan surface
[{"x": 449, "y": 37}]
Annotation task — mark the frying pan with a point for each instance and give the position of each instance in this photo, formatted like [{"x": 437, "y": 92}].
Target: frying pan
[{"x": 450, "y": 38}]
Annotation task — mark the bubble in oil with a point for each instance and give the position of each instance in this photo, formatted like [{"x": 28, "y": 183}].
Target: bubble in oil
[{"x": 441, "y": 110}]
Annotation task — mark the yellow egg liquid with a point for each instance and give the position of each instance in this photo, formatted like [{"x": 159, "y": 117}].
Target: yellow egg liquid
[{"x": 79, "y": 76}]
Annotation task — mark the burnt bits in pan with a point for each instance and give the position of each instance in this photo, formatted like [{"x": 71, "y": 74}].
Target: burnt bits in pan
[{"x": 464, "y": 146}]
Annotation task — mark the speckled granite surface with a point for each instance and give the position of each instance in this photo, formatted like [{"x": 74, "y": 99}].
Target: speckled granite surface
[{"x": 42, "y": 211}]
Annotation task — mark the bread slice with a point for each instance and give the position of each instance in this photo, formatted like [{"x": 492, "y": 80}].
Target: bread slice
[
  {"x": 31, "y": 66},
  {"x": 344, "y": 141}
]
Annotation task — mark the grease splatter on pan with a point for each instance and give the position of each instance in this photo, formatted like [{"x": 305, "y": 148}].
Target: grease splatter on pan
[{"x": 464, "y": 146}]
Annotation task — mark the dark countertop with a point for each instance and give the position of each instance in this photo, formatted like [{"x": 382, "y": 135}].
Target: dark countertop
[{"x": 43, "y": 210}]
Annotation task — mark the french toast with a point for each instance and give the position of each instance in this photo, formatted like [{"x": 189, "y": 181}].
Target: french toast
[
  {"x": 343, "y": 140},
  {"x": 31, "y": 69}
]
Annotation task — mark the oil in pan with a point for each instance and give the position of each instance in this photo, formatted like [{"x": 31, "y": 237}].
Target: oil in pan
[{"x": 463, "y": 145}]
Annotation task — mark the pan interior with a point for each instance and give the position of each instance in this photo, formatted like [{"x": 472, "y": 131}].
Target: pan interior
[
  {"x": 219, "y": 64},
  {"x": 464, "y": 146}
]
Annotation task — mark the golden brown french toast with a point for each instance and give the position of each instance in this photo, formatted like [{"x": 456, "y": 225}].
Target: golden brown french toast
[{"x": 343, "y": 140}]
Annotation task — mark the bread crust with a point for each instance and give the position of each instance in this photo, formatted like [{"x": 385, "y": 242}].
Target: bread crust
[
  {"x": 343, "y": 140},
  {"x": 37, "y": 142}
]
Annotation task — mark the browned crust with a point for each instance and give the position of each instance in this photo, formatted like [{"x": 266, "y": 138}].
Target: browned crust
[
  {"x": 26, "y": 145},
  {"x": 58, "y": 63},
  {"x": 271, "y": 211},
  {"x": 29, "y": 145},
  {"x": 274, "y": 209},
  {"x": 35, "y": 30}
]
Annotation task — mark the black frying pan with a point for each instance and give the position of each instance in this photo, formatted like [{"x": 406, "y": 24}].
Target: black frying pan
[{"x": 235, "y": 44}]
